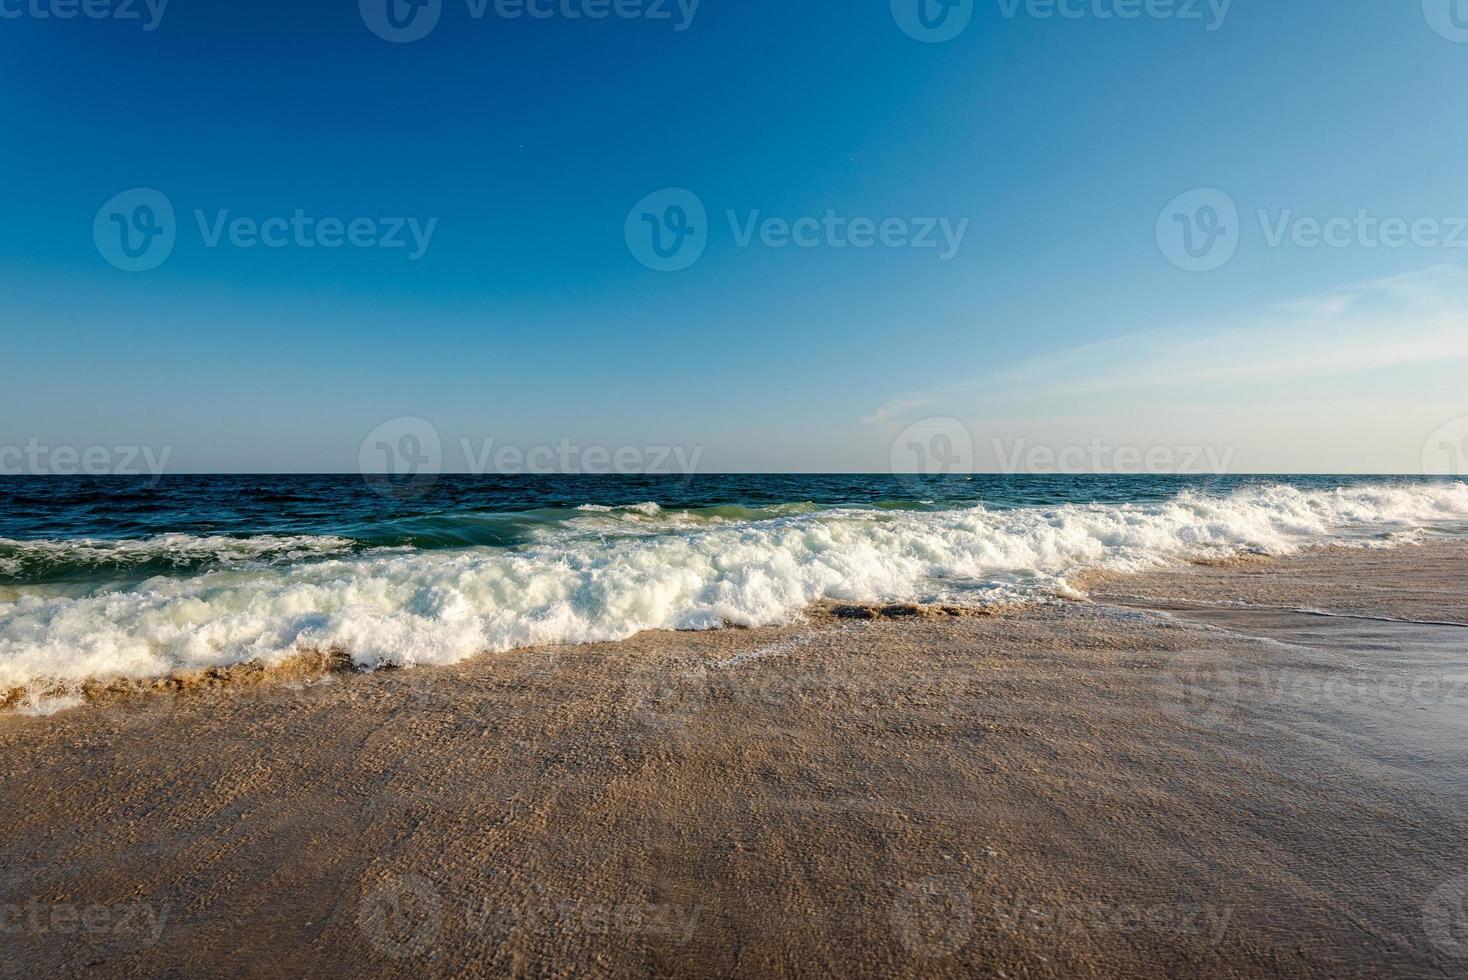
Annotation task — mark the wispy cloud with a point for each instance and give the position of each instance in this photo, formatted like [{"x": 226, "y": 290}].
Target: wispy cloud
[{"x": 1375, "y": 325}]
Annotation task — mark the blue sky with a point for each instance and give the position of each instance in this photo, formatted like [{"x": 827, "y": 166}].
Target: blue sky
[{"x": 1055, "y": 142}]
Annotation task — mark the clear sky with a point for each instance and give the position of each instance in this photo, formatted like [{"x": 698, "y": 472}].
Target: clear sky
[{"x": 1059, "y": 310}]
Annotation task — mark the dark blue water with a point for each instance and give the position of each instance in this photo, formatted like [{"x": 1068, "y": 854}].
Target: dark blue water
[{"x": 347, "y": 505}]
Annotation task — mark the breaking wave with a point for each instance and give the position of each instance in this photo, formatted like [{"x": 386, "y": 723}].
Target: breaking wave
[
  {"x": 22, "y": 561},
  {"x": 257, "y": 600}
]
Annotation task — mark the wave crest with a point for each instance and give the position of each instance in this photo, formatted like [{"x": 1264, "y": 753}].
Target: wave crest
[
  {"x": 413, "y": 607},
  {"x": 23, "y": 559}
]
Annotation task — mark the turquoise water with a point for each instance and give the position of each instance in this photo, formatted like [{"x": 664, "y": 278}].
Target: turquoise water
[{"x": 486, "y": 511}]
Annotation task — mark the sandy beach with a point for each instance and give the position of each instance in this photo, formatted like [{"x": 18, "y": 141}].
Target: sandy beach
[
  {"x": 651, "y": 488},
  {"x": 1253, "y": 767}
]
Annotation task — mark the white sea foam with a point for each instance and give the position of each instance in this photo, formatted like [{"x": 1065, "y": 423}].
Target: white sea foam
[
  {"x": 176, "y": 549},
  {"x": 407, "y": 608},
  {"x": 37, "y": 704},
  {"x": 646, "y": 509}
]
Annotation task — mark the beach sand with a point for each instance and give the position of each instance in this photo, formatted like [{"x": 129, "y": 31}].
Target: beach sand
[{"x": 1186, "y": 775}]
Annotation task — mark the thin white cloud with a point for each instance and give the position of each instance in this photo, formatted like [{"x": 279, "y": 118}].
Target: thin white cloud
[{"x": 1415, "y": 318}]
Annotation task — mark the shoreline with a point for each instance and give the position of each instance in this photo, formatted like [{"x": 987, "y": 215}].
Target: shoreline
[
  {"x": 307, "y": 665},
  {"x": 607, "y": 576},
  {"x": 1083, "y": 788}
]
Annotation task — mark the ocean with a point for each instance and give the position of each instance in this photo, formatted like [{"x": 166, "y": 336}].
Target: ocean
[{"x": 115, "y": 577}]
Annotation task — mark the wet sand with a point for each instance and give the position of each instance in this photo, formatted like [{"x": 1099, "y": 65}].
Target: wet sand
[{"x": 1185, "y": 776}]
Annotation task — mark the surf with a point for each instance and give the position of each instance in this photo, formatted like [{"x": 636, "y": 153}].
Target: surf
[{"x": 575, "y": 582}]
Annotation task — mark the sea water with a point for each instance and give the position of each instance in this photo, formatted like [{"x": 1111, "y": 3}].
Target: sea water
[{"x": 140, "y": 578}]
